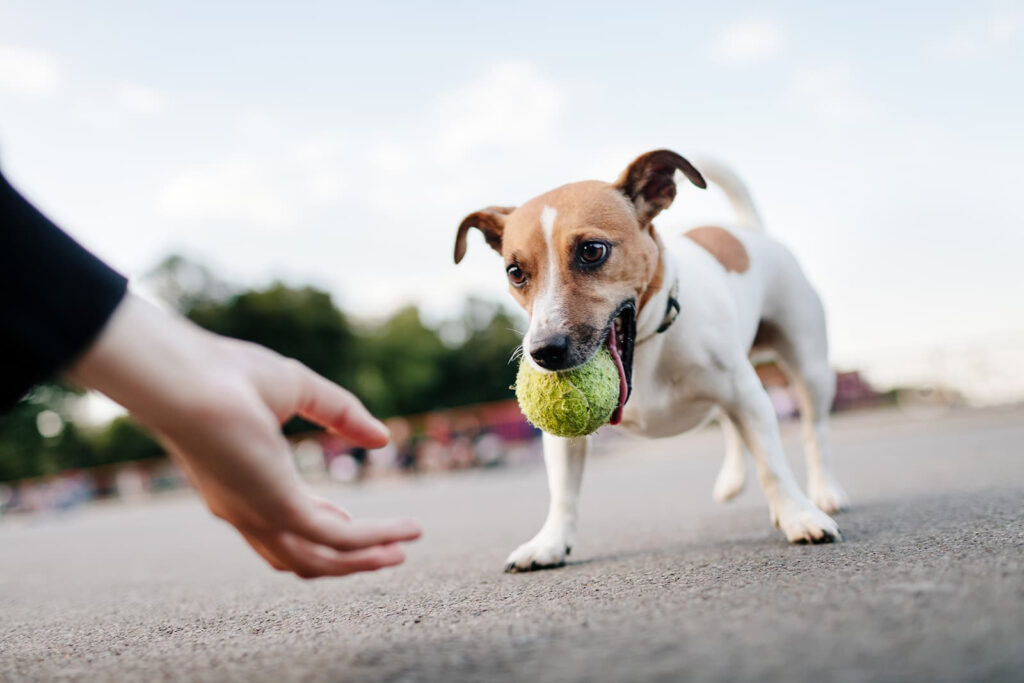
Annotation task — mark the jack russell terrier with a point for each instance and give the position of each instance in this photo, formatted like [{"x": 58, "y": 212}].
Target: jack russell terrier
[{"x": 586, "y": 263}]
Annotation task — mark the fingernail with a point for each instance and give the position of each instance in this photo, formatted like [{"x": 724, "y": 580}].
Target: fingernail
[
  {"x": 398, "y": 555},
  {"x": 411, "y": 528}
]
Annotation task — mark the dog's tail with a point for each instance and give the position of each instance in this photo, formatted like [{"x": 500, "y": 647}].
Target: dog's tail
[{"x": 735, "y": 191}]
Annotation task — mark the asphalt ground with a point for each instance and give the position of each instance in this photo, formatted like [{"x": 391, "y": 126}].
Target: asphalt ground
[{"x": 663, "y": 584}]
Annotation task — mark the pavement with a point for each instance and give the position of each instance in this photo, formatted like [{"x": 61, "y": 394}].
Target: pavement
[{"x": 663, "y": 584}]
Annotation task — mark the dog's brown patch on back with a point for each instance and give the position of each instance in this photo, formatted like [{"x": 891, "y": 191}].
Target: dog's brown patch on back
[{"x": 723, "y": 245}]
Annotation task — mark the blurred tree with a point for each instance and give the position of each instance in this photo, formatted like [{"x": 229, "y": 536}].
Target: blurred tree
[
  {"x": 123, "y": 440},
  {"x": 401, "y": 365},
  {"x": 184, "y": 284},
  {"x": 407, "y": 367},
  {"x": 481, "y": 367},
  {"x": 24, "y": 449}
]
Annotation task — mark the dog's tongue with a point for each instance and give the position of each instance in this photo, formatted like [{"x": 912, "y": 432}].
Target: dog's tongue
[{"x": 613, "y": 347}]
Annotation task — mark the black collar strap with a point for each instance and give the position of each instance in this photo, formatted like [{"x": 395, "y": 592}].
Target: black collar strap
[{"x": 671, "y": 308}]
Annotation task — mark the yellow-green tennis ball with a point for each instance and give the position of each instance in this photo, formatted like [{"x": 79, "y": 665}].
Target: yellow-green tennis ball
[{"x": 571, "y": 403}]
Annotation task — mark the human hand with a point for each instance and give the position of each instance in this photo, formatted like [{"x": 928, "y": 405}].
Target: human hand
[{"x": 217, "y": 404}]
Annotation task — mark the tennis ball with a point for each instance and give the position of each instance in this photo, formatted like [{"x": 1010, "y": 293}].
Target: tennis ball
[{"x": 570, "y": 403}]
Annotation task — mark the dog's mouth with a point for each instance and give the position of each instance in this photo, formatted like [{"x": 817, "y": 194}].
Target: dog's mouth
[{"x": 621, "y": 337}]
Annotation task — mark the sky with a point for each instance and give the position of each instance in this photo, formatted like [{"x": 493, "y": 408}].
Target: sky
[{"x": 339, "y": 144}]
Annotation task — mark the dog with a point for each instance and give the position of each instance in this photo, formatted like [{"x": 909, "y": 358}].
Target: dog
[{"x": 586, "y": 263}]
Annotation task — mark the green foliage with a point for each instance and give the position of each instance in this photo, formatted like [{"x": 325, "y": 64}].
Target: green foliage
[
  {"x": 123, "y": 440},
  {"x": 185, "y": 284},
  {"x": 401, "y": 365},
  {"x": 479, "y": 369},
  {"x": 24, "y": 452}
]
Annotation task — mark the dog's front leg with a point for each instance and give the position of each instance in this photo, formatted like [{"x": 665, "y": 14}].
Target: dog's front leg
[{"x": 564, "y": 461}]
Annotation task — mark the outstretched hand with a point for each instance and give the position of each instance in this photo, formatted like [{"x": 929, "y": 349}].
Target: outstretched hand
[{"x": 218, "y": 404}]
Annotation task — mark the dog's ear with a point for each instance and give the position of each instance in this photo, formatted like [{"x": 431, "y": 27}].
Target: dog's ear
[
  {"x": 490, "y": 221},
  {"x": 649, "y": 182}
]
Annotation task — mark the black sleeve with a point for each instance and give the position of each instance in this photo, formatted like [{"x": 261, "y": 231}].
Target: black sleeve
[{"x": 55, "y": 296}]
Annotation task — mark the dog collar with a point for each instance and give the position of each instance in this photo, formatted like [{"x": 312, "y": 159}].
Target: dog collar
[{"x": 671, "y": 311}]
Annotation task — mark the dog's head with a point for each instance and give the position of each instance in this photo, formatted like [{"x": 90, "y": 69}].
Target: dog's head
[{"x": 580, "y": 259}]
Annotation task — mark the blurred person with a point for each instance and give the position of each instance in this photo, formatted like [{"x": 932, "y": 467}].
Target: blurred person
[{"x": 216, "y": 403}]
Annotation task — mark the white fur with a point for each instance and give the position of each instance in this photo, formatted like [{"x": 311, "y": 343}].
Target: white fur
[
  {"x": 700, "y": 367},
  {"x": 564, "y": 459},
  {"x": 735, "y": 191},
  {"x": 547, "y": 223},
  {"x": 546, "y": 315}
]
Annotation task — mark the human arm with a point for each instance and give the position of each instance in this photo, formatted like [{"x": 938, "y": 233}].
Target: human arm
[{"x": 216, "y": 403}]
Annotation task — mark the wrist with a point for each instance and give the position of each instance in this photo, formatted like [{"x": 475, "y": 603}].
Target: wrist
[{"x": 146, "y": 359}]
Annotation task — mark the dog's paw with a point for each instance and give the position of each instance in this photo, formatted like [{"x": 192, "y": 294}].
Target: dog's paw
[
  {"x": 805, "y": 524},
  {"x": 728, "y": 484},
  {"x": 537, "y": 554},
  {"x": 828, "y": 496}
]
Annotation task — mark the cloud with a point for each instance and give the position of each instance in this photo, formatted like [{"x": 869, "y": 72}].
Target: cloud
[
  {"x": 1001, "y": 29},
  {"x": 257, "y": 124},
  {"x": 980, "y": 39},
  {"x": 322, "y": 167},
  {"x": 350, "y": 194},
  {"x": 270, "y": 190},
  {"x": 234, "y": 190},
  {"x": 391, "y": 157},
  {"x": 511, "y": 104},
  {"x": 140, "y": 100},
  {"x": 748, "y": 41},
  {"x": 830, "y": 94},
  {"x": 28, "y": 72}
]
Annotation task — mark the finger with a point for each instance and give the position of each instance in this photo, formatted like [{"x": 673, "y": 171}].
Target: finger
[
  {"x": 327, "y": 404},
  {"x": 325, "y": 504},
  {"x": 309, "y": 560},
  {"x": 263, "y": 552},
  {"x": 328, "y": 528}
]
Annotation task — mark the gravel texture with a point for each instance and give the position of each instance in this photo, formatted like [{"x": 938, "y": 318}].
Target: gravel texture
[{"x": 663, "y": 584}]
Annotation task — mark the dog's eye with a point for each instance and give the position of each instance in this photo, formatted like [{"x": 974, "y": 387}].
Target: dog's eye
[
  {"x": 516, "y": 275},
  {"x": 593, "y": 253}
]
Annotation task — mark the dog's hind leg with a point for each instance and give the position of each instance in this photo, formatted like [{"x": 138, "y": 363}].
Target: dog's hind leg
[
  {"x": 799, "y": 338},
  {"x": 814, "y": 384},
  {"x": 752, "y": 411},
  {"x": 733, "y": 476},
  {"x": 564, "y": 461}
]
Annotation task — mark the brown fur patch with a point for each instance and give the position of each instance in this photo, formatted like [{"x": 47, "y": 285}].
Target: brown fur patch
[
  {"x": 585, "y": 211},
  {"x": 723, "y": 245},
  {"x": 772, "y": 375},
  {"x": 658, "y": 281}
]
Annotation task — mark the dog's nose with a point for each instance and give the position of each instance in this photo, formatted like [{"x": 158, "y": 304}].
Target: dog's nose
[{"x": 551, "y": 353}]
